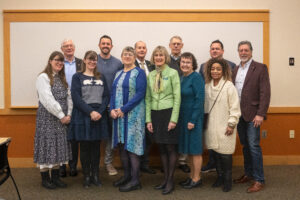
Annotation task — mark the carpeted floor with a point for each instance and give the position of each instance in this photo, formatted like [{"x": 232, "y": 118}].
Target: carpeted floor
[{"x": 282, "y": 183}]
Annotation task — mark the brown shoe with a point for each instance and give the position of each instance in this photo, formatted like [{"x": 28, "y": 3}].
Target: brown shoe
[
  {"x": 243, "y": 179},
  {"x": 255, "y": 187}
]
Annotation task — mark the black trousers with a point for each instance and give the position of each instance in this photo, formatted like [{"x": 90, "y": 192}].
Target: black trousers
[
  {"x": 90, "y": 156},
  {"x": 74, "y": 161}
]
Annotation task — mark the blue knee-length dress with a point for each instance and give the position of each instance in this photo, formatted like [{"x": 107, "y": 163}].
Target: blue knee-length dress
[{"x": 191, "y": 110}]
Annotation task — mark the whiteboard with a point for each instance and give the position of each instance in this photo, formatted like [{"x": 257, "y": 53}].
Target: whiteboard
[{"x": 31, "y": 44}]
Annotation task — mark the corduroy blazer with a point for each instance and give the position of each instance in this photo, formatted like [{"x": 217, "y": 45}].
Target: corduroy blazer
[{"x": 256, "y": 92}]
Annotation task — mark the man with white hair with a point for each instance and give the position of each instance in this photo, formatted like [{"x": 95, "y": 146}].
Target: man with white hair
[{"x": 72, "y": 65}]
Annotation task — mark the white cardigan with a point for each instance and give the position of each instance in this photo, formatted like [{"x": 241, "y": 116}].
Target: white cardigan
[{"x": 226, "y": 110}]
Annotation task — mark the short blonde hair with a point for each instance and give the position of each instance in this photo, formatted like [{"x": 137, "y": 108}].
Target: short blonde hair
[{"x": 163, "y": 50}]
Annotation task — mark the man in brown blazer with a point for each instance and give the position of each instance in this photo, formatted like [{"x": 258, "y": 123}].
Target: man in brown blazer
[{"x": 253, "y": 85}]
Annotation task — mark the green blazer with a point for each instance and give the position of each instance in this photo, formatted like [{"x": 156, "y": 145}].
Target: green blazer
[{"x": 168, "y": 98}]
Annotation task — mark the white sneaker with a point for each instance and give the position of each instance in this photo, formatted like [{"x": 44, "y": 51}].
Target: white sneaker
[{"x": 111, "y": 170}]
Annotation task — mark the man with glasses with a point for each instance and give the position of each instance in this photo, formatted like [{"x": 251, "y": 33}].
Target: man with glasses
[
  {"x": 72, "y": 65},
  {"x": 176, "y": 45}
]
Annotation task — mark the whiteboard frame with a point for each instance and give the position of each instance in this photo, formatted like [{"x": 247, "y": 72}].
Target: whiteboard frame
[{"x": 10, "y": 16}]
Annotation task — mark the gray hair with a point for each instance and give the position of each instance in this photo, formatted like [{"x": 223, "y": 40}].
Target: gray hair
[
  {"x": 176, "y": 37},
  {"x": 67, "y": 40},
  {"x": 129, "y": 49},
  {"x": 245, "y": 42}
]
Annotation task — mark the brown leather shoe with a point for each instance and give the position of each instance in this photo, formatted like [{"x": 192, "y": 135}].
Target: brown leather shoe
[
  {"x": 243, "y": 179},
  {"x": 255, "y": 187}
]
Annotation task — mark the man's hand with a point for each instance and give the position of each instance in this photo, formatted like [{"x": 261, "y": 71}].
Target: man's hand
[{"x": 257, "y": 120}]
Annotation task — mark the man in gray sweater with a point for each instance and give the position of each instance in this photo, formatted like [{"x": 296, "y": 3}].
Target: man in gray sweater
[{"x": 108, "y": 66}]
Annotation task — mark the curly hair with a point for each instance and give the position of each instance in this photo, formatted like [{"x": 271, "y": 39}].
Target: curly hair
[
  {"x": 48, "y": 69},
  {"x": 226, "y": 72}
]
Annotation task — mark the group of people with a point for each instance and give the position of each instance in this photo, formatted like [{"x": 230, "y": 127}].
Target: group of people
[{"x": 133, "y": 102}]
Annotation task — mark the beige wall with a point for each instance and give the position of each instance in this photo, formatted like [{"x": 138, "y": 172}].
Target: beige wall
[{"x": 284, "y": 33}]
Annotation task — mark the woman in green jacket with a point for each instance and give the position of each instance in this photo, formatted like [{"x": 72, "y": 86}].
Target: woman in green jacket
[{"x": 162, "y": 110}]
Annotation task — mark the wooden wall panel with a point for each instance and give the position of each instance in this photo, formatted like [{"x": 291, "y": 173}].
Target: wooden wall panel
[{"x": 277, "y": 146}]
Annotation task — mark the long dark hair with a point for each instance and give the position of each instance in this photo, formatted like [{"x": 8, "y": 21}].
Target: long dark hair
[
  {"x": 48, "y": 69},
  {"x": 92, "y": 55}
]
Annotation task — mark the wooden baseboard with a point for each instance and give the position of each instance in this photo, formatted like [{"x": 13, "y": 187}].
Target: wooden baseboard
[{"x": 238, "y": 160}]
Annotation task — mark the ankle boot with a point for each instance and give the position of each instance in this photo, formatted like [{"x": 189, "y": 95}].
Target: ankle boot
[
  {"x": 95, "y": 177},
  {"x": 218, "y": 163},
  {"x": 46, "y": 181},
  {"x": 227, "y": 177},
  {"x": 56, "y": 179},
  {"x": 86, "y": 169}
]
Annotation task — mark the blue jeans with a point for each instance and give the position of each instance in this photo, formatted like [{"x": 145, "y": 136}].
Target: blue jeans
[{"x": 253, "y": 161}]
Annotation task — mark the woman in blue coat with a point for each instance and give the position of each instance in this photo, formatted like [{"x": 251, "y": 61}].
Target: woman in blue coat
[
  {"x": 127, "y": 105},
  {"x": 88, "y": 124},
  {"x": 191, "y": 118}
]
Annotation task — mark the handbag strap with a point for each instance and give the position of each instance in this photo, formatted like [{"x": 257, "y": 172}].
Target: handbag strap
[{"x": 216, "y": 98}]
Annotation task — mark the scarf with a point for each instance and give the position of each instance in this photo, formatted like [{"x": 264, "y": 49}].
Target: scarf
[{"x": 158, "y": 83}]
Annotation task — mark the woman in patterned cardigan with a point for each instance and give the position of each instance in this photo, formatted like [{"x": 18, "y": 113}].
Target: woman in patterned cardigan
[{"x": 127, "y": 107}]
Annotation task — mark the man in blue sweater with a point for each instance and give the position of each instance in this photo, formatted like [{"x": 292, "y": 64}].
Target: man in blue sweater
[{"x": 108, "y": 66}]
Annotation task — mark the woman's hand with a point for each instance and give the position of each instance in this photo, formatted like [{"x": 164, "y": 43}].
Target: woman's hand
[
  {"x": 150, "y": 127},
  {"x": 114, "y": 114},
  {"x": 229, "y": 131},
  {"x": 65, "y": 119},
  {"x": 190, "y": 126},
  {"x": 171, "y": 126},
  {"x": 119, "y": 112},
  {"x": 95, "y": 116}
]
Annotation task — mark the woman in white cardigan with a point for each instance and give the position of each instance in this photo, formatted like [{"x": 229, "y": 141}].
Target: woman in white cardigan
[{"x": 222, "y": 104}]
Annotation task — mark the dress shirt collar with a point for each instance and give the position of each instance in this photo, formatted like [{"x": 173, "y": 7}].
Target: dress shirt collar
[
  {"x": 175, "y": 57},
  {"x": 247, "y": 64},
  {"x": 70, "y": 62}
]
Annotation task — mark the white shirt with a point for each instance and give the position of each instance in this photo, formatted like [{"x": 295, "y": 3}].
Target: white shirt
[
  {"x": 145, "y": 66},
  {"x": 47, "y": 99},
  {"x": 241, "y": 76}
]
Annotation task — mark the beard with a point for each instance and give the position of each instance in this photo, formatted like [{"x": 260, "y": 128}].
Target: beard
[{"x": 105, "y": 51}]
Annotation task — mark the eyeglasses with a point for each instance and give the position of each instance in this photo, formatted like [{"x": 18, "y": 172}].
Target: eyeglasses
[
  {"x": 128, "y": 54},
  {"x": 185, "y": 63},
  {"x": 92, "y": 59},
  {"x": 68, "y": 46},
  {"x": 176, "y": 44},
  {"x": 58, "y": 60}
]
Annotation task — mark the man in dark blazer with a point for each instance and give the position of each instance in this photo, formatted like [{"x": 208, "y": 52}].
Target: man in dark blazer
[
  {"x": 216, "y": 50},
  {"x": 72, "y": 65},
  {"x": 253, "y": 85},
  {"x": 141, "y": 51}
]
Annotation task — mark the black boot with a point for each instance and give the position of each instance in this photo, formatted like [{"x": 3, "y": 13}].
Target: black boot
[
  {"x": 46, "y": 181},
  {"x": 86, "y": 169},
  {"x": 56, "y": 179},
  {"x": 227, "y": 174},
  {"x": 62, "y": 171},
  {"x": 95, "y": 176},
  {"x": 218, "y": 163}
]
